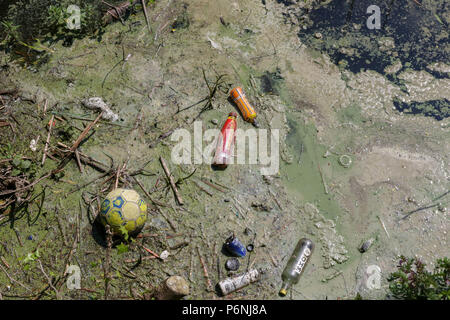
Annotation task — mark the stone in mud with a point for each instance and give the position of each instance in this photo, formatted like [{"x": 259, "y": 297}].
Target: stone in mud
[
  {"x": 164, "y": 255},
  {"x": 232, "y": 264},
  {"x": 261, "y": 206},
  {"x": 366, "y": 245},
  {"x": 173, "y": 288}
]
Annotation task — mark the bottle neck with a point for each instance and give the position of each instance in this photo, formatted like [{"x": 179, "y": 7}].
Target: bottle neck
[{"x": 284, "y": 288}]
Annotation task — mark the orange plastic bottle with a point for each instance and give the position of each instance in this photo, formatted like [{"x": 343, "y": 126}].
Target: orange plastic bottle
[{"x": 248, "y": 112}]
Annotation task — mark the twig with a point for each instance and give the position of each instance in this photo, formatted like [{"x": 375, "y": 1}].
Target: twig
[
  {"x": 4, "y": 262},
  {"x": 419, "y": 209},
  {"x": 219, "y": 273},
  {"x": 172, "y": 182},
  {"x": 106, "y": 274},
  {"x": 80, "y": 138},
  {"x": 48, "y": 138},
  {"x": 69, "y": 257},
  {"x": 87, "y": 183},
  {"x": 45, "y": 108},
  {"x": 179, "y": 245},
  {"x": 205, "y": 270},
  {"x": 213, "y": 185},
  {"x": 384, "y": 227},
  {"x": 136, "y": 260},
  {"x": 85, "y": 132},
  {"x": 150, "y": 251},
  {"x": 88, "y": 160},
  {"x": 172, "y": 225},
  {"x": 18, "y": 237},
  {"x": 274, "y": 262},
  {"x": 121, "y": 8},
  {"x": 191, "y": 263},
  {"x": 275, "y": 198},
  {"x": 6, "y": 192},
  {"x": 144, "y": 8},
  {"x": 161, "y": 137},
  {"x": 203, "y": 189},
  {"x": 147, "y": 194},
  {"x": 58, "y": 296},
  {"x": 60, "y": 226},
  {"x": 76, "y": 117},
  {"x": 221, "y": 185},
  {"x": 323, "y": 180},
  {"x": 116, "y": 184},
  {"x": 12, "y": 279},
  {"x": 77, "y": 157}
]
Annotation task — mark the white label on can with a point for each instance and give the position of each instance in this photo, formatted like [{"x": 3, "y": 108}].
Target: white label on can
[
  {"x": 232, "y": 284},
  {"x": 301, "y": 263}
]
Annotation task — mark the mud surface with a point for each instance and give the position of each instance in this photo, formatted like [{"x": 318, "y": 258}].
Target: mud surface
[{"x": 327, "y": 113}]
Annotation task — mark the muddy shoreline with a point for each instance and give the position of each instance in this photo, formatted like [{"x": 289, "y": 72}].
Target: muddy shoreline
[{"x": 323, "y": 111}]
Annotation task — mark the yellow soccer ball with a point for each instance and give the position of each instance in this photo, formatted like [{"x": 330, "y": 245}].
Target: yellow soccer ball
[{"x": 124, "y": 209}]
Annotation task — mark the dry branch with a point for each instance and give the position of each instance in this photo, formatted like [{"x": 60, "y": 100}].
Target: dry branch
[{"x": 172, "y": 182}]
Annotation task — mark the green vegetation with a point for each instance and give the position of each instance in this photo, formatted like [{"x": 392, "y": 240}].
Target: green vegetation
[
  {"x": 413, "y": 282},
  {"x": 22, "y": 166}
]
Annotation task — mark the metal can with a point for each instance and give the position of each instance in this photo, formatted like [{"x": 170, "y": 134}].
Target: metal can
[
  {"x": 225, "y": 143},
  {"x": 239, "y": 98},
  {"x": 296, "y": 264},
  {"x": 230, "y": 285},
  {"x": 235, "y": 247}
]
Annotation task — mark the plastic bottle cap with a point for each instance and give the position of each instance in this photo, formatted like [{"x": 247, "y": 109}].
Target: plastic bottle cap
[{"x": 283, "y": 292}]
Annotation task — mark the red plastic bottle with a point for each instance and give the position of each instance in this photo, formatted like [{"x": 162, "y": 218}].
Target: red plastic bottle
[{"x": 225, "y": 143}]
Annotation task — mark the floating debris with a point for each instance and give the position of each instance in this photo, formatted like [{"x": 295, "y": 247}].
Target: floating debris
[
  {"x": 33, "y": 144},
  {"x": 332, "y": 276},
  {"x": 97, "y": 103},
  {"x": 214, "y": 44},
  {"x": 345, "y": 161}
]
